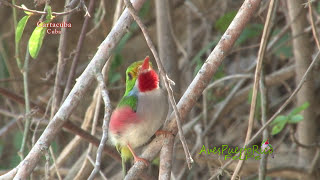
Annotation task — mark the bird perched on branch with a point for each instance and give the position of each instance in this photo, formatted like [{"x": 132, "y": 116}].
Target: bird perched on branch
[
  {"x": 266, "y": 147},
  {"x": 140, "y": 113}
]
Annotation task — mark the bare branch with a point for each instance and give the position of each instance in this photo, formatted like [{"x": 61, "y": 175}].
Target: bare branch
[
  {"x": 40, "y": 12},
  {"x": 105, "y": 126},
  {"x": 77, "y": 53},
  {"x": 314, "y": 30},
  {"x": 166, "y": 154},
  {"x": 262, "y": 50}
]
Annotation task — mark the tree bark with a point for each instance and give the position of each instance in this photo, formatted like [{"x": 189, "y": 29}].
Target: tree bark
[
  {"x": 302, "y": 50},
  {"x": 166, "y": 44}
]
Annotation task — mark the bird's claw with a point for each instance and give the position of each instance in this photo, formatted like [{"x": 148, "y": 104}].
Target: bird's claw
[{"x": 146, "y": 162}]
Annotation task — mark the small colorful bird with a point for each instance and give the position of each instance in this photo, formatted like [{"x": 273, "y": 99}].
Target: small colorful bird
[
  {"x": 265, "y": 147},
  {"x": 140, "y": 113}
]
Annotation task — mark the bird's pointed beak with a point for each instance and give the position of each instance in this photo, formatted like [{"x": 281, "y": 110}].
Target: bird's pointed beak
[{"x": 145, "y": 65}]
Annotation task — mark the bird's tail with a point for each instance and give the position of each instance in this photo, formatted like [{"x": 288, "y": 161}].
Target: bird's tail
[
  {"x": 125, "y": 166},
  {"x": 126, "y": 157}
]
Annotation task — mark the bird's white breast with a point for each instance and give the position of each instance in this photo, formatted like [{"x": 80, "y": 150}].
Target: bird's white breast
[{"x": 152, "y": 108}]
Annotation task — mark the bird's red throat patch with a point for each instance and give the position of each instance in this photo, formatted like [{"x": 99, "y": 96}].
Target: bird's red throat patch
[{"x": 148, "y": 81}]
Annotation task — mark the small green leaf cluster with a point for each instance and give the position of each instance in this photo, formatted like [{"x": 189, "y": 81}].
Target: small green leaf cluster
[
  {"x": 293, "y": 118},
  {"x": 37, "y": 36}
]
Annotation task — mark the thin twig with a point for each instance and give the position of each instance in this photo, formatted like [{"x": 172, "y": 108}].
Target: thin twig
[
  {"x": 314, "y": 30},
  {"x": 290, "y": 98},
  {"x": 314, "y": 162},
  {"x": 165, "y": 79},
  {"x": 17, "y": 48},
  {"x": 265, "y": 34},
  {"x": 25, "y": 71},
  {"x": 85, "y": 9},
  {"x": 233, "y": 76},
  {"x": 264, "y": 108},
  {"x": 33, "y": 140},
  {"x": 77, "y": 52},
  {"x": 58, "y": 87},
  {"x": 95, "y": 105},
  {"x": 72, "y": 4},
  {"x": 295, "y": 140},
  {"x": 47, "y": 165},
  {"x": 222, "y": 105},
  {"x": 199, "y": 142},
  {"x": 105, "y": 126},
  {"x": 104, "y": 74},
  {"x": 35, "y": 12},
  {"x": 54, "y": 163},
  {"x": 100, "y": 172},
  {"x": 265, "y": 136},
  {"x": 101, "y": 8}
]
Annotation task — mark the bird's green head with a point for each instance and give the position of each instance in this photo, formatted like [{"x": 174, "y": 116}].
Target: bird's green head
[{"x": 133, "y": 72}]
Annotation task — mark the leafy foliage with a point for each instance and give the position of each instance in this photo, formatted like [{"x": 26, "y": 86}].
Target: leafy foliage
[
  {"x": 37, "y": 36},
  {"x": 293, "y": 118},
  {"x": 36, "y": 39},
  {"x": 20, "y": 28}
]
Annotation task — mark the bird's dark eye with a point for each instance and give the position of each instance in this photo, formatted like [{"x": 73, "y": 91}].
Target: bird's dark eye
[{"x": 130, "y": 76}]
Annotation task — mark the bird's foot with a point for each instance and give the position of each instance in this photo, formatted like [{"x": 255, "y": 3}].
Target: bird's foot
[
  {"x": 164, "y": 132},
  {"x": 136, "y": 159}
]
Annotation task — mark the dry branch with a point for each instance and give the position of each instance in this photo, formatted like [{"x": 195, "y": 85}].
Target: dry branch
[
  {"x": 261, "y": 53},
  {"x": 42, "y": 12},
  {"x": 106, "y": 118}
]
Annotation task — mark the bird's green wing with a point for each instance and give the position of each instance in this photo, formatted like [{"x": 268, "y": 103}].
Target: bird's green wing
[{"x": 130, "y": 100}]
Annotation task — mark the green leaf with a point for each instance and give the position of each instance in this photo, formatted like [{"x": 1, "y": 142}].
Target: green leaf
[
  {"x": 299, "y": 109},
  {"x": 295, "y": 119},
  {"x": 223, "y": 22},
  {"x": 278, "y": 127},
  {"x": 28, "y": 13},
  {"x": 20, "y": 27},
  {"x": 279, "y": 119},
  {"x": 36, "y": 39}
]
